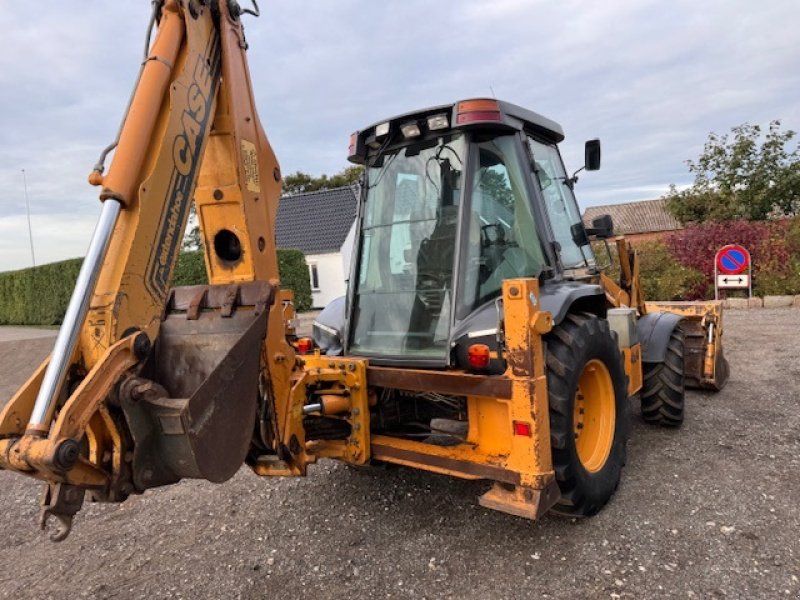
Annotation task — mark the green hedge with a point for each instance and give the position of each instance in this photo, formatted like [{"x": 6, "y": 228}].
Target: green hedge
[
  {"x": 681, "y": 265},
  {"x": 190, "y": 270},
  {"x": 294, "y": 276},
  {"x": 39, "y": 296}
]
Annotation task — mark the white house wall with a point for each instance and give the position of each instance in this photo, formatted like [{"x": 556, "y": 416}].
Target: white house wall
[
  {"x": 332, "y": 277},
  {"x": 333, "y": 271},
  {"x": 347, "y": 249}
]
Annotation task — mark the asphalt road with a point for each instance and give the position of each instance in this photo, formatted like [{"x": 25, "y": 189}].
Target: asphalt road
[{"x": 709, "y": 511}]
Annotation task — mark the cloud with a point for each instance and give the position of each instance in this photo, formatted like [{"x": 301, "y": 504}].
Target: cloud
[{"x": 650, "y": 78}]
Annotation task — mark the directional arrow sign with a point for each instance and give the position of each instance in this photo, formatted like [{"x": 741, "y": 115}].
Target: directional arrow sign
[{"x": 733, "y": 282}]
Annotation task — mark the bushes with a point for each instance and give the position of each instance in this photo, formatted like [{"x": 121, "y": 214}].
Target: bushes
[
  {"x": 774, "y": 249},
  {"x": 294, "y": 276},
  {"x": 682, "y": 266},
  {"x": 663, "y": 277},
  {"x": 39, "y": 296},
  {"x": 191, "y": 269}
]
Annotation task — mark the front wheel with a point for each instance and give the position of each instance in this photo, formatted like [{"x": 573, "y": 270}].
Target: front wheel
[{"x": 589, "y": 413}]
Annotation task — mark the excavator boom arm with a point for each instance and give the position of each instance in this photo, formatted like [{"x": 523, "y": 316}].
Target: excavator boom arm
[{"x": 146, "y": 384}]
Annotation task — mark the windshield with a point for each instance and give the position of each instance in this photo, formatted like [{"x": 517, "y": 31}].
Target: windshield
[
  {"x": 562, "y": 209},
  {"x": 403, "y": 296}
]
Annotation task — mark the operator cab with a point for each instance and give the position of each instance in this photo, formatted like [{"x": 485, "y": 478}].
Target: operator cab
[{"x": 455, "y": 200}]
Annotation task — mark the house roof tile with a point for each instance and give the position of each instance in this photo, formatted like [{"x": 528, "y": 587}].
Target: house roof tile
[
  {"x": 645, "y": 216},
  {"x": 316, "y": 222}
]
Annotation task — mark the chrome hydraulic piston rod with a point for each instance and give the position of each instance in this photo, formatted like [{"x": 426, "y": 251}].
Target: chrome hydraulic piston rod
[
  {"x": 73, "y": 319},
  {"x": 119, "y": 188}
]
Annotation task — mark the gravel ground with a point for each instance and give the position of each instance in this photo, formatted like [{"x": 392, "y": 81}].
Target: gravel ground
[{"x": 709, "y": 511}]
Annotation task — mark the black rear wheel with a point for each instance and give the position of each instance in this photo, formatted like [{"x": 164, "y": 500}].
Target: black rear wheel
[
  {"x": 589, "y": 412},
  {"x": 664, "y": 385}
]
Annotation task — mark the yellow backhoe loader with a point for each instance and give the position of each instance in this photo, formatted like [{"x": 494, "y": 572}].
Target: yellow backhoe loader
[{"x": 479, "y": 338}]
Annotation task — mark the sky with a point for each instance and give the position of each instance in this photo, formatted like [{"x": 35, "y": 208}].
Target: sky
[{"x": 649, "y": 78}]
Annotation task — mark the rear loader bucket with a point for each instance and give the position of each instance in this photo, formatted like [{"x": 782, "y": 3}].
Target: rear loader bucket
[
  {"x": 192, "y": 411},
  {"x": 705, "y": 365},
  {"x": 696, "y": 351}
]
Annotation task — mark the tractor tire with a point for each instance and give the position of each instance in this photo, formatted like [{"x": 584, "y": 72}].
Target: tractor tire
[
  {"x": 589, "y": 413},
  {"x": 664, "y": 385}
]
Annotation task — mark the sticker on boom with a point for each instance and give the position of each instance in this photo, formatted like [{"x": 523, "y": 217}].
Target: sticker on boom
[{"x": 250, "y": 162}]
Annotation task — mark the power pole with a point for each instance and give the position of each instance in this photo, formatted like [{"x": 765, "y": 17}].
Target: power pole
[{"x": 28, "y": 210}]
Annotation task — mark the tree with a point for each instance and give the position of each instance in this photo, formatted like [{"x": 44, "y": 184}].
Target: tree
[
  {"x": 299, "y": 182},
  {"x": 191, "y": 239},
  {"x": 736, "y": 177},
  {"x": 495, "y": 185}
]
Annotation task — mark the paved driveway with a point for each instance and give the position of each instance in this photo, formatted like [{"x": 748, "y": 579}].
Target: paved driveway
[{"x": 15, "y": 334}]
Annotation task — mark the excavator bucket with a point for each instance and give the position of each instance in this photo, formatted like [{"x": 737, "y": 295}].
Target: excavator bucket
[
  {"x": 191, "y": 412},
  {"x": 705, "y": 363}
]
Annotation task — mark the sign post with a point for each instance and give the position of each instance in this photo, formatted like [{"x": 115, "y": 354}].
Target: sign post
[{"x": 733, "y": 270}]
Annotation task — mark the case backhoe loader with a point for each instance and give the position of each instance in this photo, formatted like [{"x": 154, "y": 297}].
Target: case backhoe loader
[{"x": 479, "y": 339}]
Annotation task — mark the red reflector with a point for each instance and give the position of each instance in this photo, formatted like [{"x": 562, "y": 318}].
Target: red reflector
[
  {"x": 481, "y": 115},
  {"x": 478, "y": 356},
  {"x": 305, "y": 345},
  {"x": 522, "y": 428}
]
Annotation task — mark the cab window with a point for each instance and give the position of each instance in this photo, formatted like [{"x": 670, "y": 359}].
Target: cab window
[
  {"x": 501, "y": 237},
  {"x": 560, "y": 205}
]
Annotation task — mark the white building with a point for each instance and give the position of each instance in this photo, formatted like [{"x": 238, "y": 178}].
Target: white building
[{"x": 322, "y": 226}]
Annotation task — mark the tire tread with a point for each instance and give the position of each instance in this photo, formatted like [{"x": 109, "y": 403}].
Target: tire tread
[{"x": 664, "y": 386}]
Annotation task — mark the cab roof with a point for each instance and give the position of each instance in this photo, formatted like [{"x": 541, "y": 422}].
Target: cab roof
[{"x": 482, "y": 113}]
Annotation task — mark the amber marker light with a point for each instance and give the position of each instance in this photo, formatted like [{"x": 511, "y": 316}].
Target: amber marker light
[{"x": 478, "y": 356}]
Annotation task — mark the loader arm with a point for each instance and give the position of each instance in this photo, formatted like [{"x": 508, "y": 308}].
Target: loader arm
[
  {"x": 628, "y": 290},
  {"x": 705, "y": 363},
  {"x": 147, "y": 385}
]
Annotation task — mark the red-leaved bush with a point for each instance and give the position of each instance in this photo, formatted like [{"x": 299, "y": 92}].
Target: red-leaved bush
[{"x": 774, "y": 249}]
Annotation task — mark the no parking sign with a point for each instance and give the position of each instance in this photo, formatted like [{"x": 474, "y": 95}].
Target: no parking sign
[{"x": 732, "y": 269}]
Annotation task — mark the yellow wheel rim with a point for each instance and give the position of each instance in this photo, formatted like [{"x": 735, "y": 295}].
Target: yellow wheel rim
[{"x": 594, "y": 416}]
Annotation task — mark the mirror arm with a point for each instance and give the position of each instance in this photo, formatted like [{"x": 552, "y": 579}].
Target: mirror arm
[{"x": 571, "y": 181}]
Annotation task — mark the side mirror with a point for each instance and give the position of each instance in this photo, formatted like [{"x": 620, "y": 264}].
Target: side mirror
[
  {"x": 592, "y": 155},
  {"x": 578, "y": 234},
  {"x": 602, "y": 227}
]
